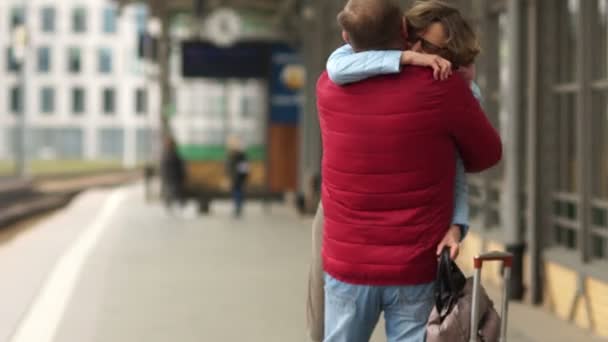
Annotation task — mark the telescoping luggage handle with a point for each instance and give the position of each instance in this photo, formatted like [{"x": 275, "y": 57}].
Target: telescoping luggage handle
[{"x": 507, "y": 260}]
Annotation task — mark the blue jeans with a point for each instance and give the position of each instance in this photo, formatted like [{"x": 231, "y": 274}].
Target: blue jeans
[
  {"x": 238, "y": 198},
  {"x": 352, "y": 311}
]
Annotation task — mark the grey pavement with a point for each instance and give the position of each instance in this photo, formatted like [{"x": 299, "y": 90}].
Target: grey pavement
[
  {"x": 156, "y": 277},
  {"x": 27, "y": 255}
]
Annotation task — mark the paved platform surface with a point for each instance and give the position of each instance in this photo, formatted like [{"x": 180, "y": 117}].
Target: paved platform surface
[{"x": 112, "y": 268}]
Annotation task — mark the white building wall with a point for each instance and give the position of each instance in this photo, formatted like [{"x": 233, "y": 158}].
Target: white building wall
[{"x": 126, "y": 76}]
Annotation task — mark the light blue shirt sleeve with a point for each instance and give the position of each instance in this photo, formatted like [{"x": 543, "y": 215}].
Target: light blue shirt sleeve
[
  {"x": 476, "y": 92},
  {"x": 347, "y": 66},
  {"x": 461, "y": 188},
  {"x": 461, "y": 195}
]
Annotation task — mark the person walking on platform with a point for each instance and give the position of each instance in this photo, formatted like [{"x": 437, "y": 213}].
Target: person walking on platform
[
  {"x": 173, "y": 174},
  {"x": 389, "y": 156},
  {"x": 238, "y": 170}
]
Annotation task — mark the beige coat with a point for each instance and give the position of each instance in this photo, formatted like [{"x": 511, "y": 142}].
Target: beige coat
[{"x": 315, "y": 310}]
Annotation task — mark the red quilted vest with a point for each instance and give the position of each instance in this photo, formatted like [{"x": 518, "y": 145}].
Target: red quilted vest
[{"x": 389, "y": 154}]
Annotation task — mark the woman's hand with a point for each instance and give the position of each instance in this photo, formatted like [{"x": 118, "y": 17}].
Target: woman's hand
[{"x": 442, "y": 68}]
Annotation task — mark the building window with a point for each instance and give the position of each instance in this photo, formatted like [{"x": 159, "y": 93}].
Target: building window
[
  {"x": 141, "y": 102},
  {"x": 141, "y": 19},
  {"x": 565, "y": 206},
  {"x": 566, "y": 143},
  {"x": 486, "y": 191},
  {"x": 600, "y": 34},
  {"x": 48, "y": 19},
  {"x": 11, "y": 62},
  {"x": 109, "y": 20},
  {"x": 599, "y": 117},
  {"x": 78, "y": 101},
  {"x": 566, "y": 189},
  {"x": 17, "y": 17},
  {"x": 247, "y": 107},
  {"x": 111, "y": 143},
  {"x": 15, "y": 100},
  {"x": 79, "y": 20},
  {"x": 47, "y": 100},
  {"x": 600, "y": 30},
  {"x": 599, "y": 203},
  {"x": 144, "y": 140},
  {"x": 109, "y": 101},
  {"x": 63, "y": 143},
  {"x": 44, "y": 59},
  {"x": 74, "y": 60},
  {"x": 568, "y": 18},
  {"x": 105, "y": 61}
]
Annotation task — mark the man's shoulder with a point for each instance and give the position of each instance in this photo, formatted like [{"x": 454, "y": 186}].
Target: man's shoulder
[{"x": 324, "y": 81}]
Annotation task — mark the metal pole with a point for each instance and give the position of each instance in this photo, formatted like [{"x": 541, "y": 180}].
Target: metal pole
[
  {"x": 489, "y": 81},
  {"x": 584, "y": 127},
  {"x": 309, "y": 125},
  {"x": 148, "y": 75},
  {"x": 505, "y": 305},
  {"x": 534, "y": 142},
  {"x": 512, "y": 216},
  {"x": 512, "y": 137},
  {"x": 475, "y": 305},
  {"x": 164, "y": 79},
  {"x": 226, "y": 122},
  {"x": 20, "y": 157}
]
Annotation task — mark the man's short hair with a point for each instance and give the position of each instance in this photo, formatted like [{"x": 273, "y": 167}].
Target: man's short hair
[
  {"x": 462, "y": 43},
  {"x": 372, "y": 24}
]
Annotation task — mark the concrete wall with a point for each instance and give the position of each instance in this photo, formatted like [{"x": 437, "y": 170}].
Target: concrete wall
[{"x": 585, "y": 303}]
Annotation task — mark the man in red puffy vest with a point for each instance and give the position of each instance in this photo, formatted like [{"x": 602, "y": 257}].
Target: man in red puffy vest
[{"x": 388, "y": 179}]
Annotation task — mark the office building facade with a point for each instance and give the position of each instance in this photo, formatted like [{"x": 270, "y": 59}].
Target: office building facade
[{"x": 87, "y": 94}]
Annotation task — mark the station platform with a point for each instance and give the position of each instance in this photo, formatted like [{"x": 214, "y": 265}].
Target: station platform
[{"x": 111, "y": 267}]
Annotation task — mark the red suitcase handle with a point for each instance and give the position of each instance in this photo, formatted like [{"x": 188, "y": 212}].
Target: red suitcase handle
[{"x": 506, "y": 258}]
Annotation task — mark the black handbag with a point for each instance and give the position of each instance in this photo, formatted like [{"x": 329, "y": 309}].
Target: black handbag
[{"x": 449, "y": 284}]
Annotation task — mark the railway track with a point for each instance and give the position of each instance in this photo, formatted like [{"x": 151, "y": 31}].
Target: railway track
[{"x": 22, "y": 199}]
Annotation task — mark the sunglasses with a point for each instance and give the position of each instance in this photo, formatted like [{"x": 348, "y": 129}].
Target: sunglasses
[
  {"x": 427, "y": 46},
  {"x": 430, "y": 48}
]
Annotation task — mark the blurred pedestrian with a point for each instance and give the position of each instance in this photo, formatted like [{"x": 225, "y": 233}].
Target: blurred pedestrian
[
  {"x": 173, "y": 174},
  {"x": 148, "y": 175},
  {"x": 237, "y": 168}
]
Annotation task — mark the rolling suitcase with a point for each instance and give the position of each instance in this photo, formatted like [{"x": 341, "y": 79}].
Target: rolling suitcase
[{"x": 507, "y": 261}]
